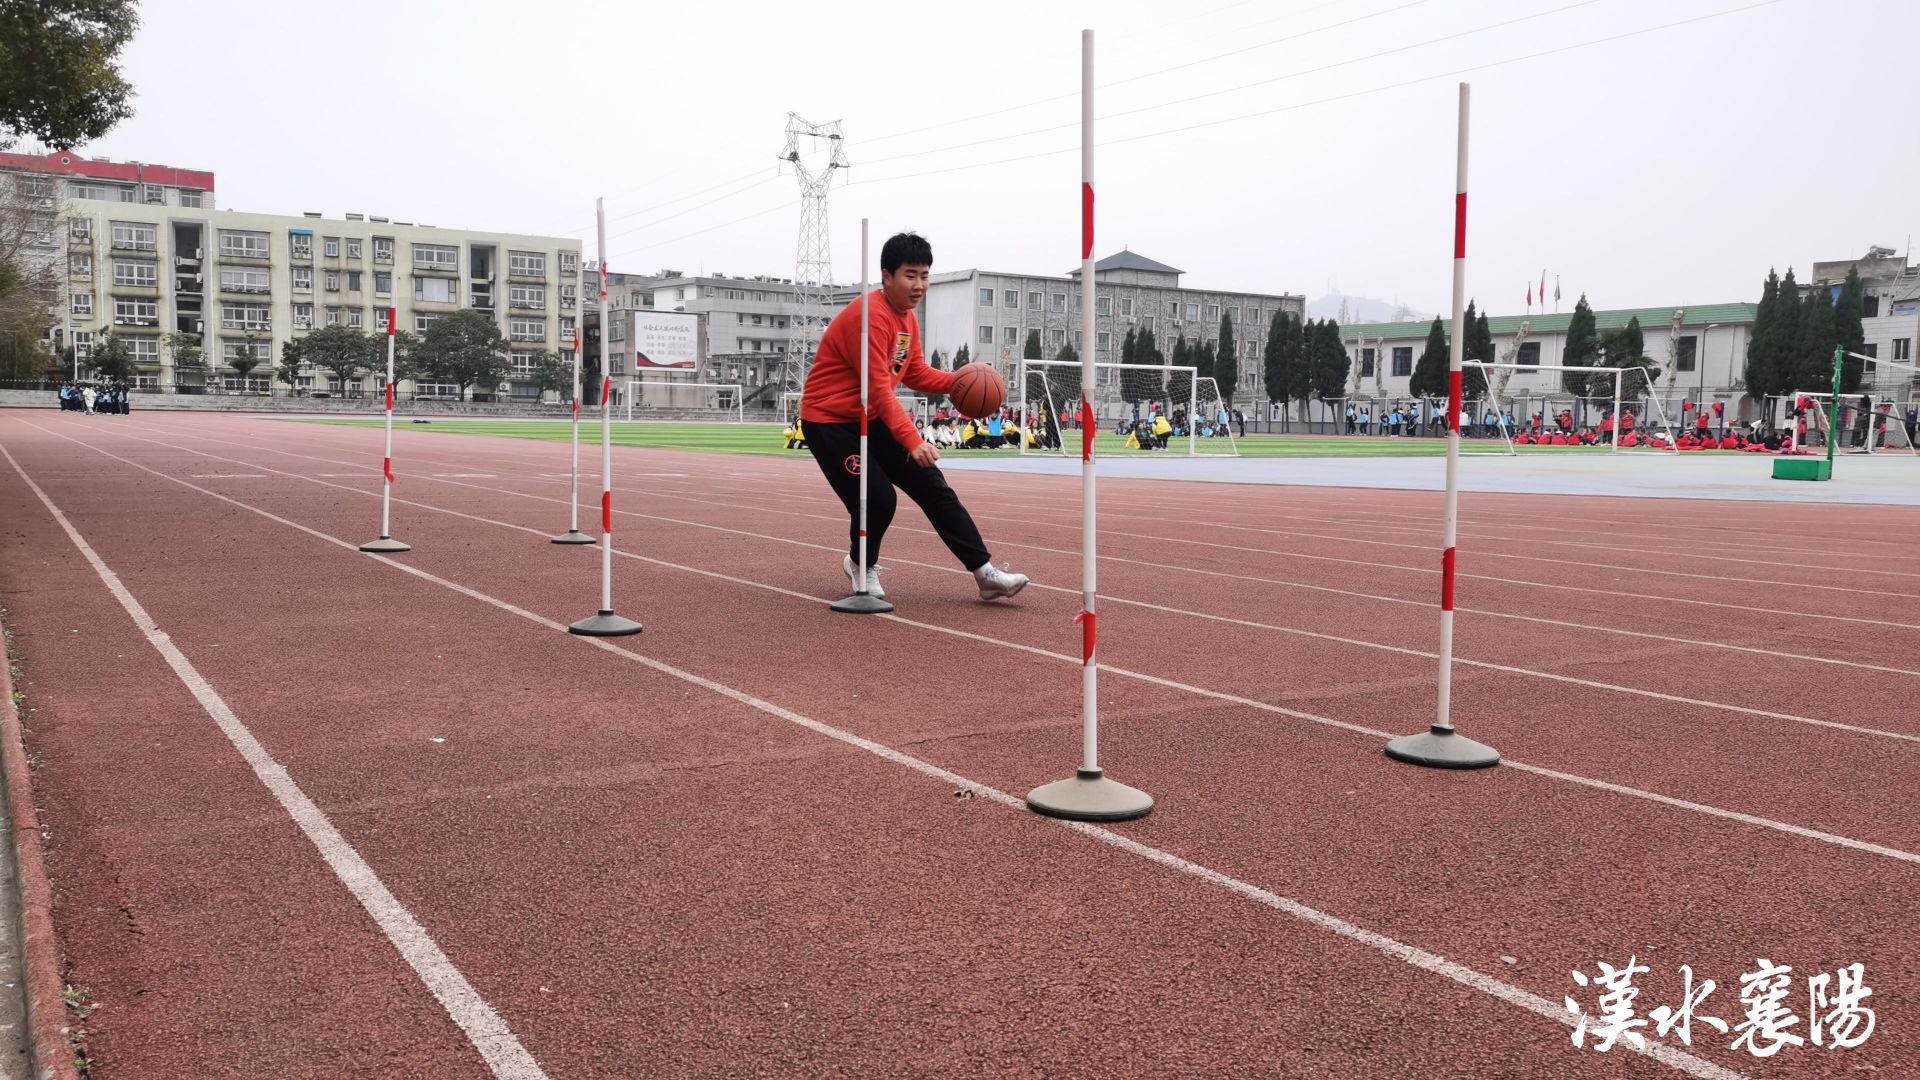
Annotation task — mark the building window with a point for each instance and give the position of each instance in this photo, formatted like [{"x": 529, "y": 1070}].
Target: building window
[
  {"x": 1253, "y": 316},
  {"x": 190, "y": 199},
  {"x": 333, "y": 247},
  {"x": 569, "y": 293},
  {"x": 986, "y": 297},
  {"x": 380, "y": 317},
  {"x": 566, "y": 328},
  {"x": 333, "y": 316},
  {"x": 1033, "y": 301},
  {"x": 333, "y": 281},
  {"x": 1148, "y": 323},
  {"x": 1058, "y": 301},
  {"x": 1529, "y": 354},
  {"x": 421, "y": 322},
  {"x": 528, "y": 296},
  {"x": 247, "y": 279},
  {"x": 569, "y": 262},
  {"x": 1105, "y": 340},
  {"x": 529, "y": 329},
  {"x": 82, "y": 343},
  {"x": 136, "y": 312},
  {"x": 1012, "y": 297},
  {"x": 1403, "y": 361},
  {"x": 1126, "y": 306},
  {"x": 242, "y": 244},
  {"x": 353, "y": 249},
  {"x": 133, "y": 236},
  {"x": 1213, "y": 313},
  {"x": 528, "y": 263},
  {"x": 1903, "y": 349},
  {"x": 1057, "y": 337},
  {"x": 260, "y": 350},
  {"x": 435, "y": 257},
  {"x": 353, "y": 281},
  {"x": 300, "y": 245},
  {"x": 1103, "y": 306},
  {"x": 1193, "y": 312},
  {"x": 356, "y": 318},
  {"x": 78, "y": 190},
  {"x": 81, "y": 228},
  {"x": 245, "y": 317},
  {"x": 1366, "y": 363},
  {"x": 82, "y": 303},
  {"x": 80, "y": 265},
  {"x": 383, "y": 249},
  {"x": 138, "y": 272},
  {"x": 1009, "y": 335},
  {"x": 303, "y": 316},
  {"x": 1870, "y": 307},
  {"x": 985, "y": 336},
  {"x": 1684, "y": 355},
  {"x": 436, "y": 290},
  {"x": 383, "y": 282},
  {"x": 146, "y": 350},
  {"x": 525, "y": 363}
]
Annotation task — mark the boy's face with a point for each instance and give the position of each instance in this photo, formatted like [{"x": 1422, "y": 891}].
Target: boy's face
[{"x": 907, "y": 286}]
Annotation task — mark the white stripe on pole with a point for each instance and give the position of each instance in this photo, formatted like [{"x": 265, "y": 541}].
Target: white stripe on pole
[{"x": 866, "y": 362}]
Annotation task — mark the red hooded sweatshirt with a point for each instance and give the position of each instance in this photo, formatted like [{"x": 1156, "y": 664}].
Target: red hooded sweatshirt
[{"x": 832, "y": 395}]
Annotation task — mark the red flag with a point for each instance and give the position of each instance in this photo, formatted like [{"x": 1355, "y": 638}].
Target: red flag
[
  {"x": 1543, "y": 286},
  {"x": 1529, "y": 296}
]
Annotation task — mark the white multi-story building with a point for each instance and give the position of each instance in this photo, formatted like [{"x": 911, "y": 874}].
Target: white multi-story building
[
  {"x": 1710, "y": 352},
  {"x": 1890, "y": 315},
  {"x": 991, "y": 313}
]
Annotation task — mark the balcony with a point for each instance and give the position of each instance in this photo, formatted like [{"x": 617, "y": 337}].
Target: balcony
[
  {"x": 232, "y": 289},
  {"x": 244, "y": 256},
  {"x": 80, "y": 240},
  {"x": 481, "y": 301}
]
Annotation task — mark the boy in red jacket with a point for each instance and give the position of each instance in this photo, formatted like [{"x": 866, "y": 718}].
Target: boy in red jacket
[{"x": 897, "y": 456}]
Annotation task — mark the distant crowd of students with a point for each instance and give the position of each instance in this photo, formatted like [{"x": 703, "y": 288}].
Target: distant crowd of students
[{"x": 92, "y": 398}]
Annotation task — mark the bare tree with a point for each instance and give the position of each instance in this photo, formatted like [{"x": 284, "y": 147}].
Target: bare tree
[{"x": 30, "y": 272}]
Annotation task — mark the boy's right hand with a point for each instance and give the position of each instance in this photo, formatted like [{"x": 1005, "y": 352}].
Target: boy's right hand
[{"x": 924, "y": 455}]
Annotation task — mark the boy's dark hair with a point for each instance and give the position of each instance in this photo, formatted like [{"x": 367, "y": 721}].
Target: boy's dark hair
[{"x": 905, "y": 249}]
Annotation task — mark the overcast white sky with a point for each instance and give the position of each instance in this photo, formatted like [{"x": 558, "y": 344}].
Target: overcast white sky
[{"x": 1673, "y": 166}]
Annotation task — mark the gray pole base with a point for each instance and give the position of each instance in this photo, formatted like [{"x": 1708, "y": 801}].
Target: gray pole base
[
  {"x": 386, "y": 544},
  {"x": 573, "y": 536},
  {"x": 862, "y": 604},
  {"x": 1442, "y": 748},
  {"x": 1089, "y": 796},
  {"x": 604, "y": 624}
]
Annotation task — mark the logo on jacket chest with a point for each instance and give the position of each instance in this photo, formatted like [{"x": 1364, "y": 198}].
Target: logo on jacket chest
[{"x": 902, "y": 343}]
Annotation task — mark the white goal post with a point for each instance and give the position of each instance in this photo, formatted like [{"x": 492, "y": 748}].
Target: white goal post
[
  {"x": 1048, "y": 392},
  {"x": 1884, "y": 421},
  {"x": 716, "y": 397},
  {"x": 1501, "y": 407}
]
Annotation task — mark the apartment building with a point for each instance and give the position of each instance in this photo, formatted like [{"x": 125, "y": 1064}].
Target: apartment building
[{"x": 991, "y": 312}]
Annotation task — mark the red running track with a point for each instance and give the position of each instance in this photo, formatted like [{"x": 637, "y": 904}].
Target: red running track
[{"x": 762, "y": 839}]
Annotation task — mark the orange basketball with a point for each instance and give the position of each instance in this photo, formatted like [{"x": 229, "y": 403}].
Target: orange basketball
[{"x": 978, "y": 391}]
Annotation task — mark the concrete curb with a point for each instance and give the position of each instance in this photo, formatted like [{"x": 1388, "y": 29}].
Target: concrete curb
[{"x": 45, "y": 990}]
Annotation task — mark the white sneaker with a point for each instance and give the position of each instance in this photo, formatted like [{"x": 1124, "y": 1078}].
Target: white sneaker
[
  {"x": 996, "y": 582},
  {"x": 874, "y": 588}
]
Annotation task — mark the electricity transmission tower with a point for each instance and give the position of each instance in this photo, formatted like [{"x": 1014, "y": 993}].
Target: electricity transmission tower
[{"x": 812, "y": 266}]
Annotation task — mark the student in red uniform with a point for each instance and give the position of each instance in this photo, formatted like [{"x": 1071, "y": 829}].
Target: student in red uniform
[{"x": 897, "y": 456}]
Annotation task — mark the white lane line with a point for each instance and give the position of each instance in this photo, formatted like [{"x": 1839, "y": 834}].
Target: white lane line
[
  {"x": 1657, "y": 695},
  {"x": 466, "y": 475},
  {"x": 1380, "y": 943},
  {"x": 1217, "y": 695},
  {"x": 230, "y": 476},
  {"x": 484, "y": 1028}
]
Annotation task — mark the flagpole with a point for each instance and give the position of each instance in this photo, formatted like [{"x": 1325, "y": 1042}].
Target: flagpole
[
  {"x": 605, "y": 623},
  {"x": 387, "y": 544}
]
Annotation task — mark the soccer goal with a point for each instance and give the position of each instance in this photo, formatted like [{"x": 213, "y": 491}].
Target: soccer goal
[
  {"x": 1125, "y": 401},
  {"x": 724, "y": 401},
  {"x": 1614, "y": 381},
  {"x": 1868, "y": 423}
]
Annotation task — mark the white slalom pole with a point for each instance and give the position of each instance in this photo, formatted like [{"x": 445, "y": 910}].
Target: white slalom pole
[
  {"x": 1440, "y": 745},
  {"x": 605, "y": 623},
  {"x": 863, "y": 602},
  {"x": 573, "y": 535},
  {"x": 1088, "y": 795},
  {"x": 387, "y": 543}
]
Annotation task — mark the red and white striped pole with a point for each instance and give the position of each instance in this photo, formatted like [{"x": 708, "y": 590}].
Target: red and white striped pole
[
  {"x": 387, "y": 543},
  {"x": 573, "y": 535},
  {"x": 863, "y": 602},
  {"x": 605, "y": 623},
  {"x": 1440, "y": 745},
  {"x": 1088, "y": 795}
]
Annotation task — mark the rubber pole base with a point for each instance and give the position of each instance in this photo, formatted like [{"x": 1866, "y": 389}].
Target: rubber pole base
[
  {"x": 573, "y": 536},
  {"x": 604, "y": 624},
  {"x": 1089, "y": 796},
  {"x": 386, "y": 545},
  {"x": 862, "y": 604},
  {"x": 1442, "y": 748}
]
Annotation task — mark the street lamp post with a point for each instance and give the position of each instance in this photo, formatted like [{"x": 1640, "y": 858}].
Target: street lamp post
[{"x": 1700, "y": 361}]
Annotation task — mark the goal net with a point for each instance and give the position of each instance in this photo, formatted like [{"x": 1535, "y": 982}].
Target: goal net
[
  {"x": 1128, "y": 400},
  {"x": 916, "y": 406},
  {"x": 1868, "y": 423},
  {"x": 696, "y": 400},
  {"x": 1617, "y": 410}
]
